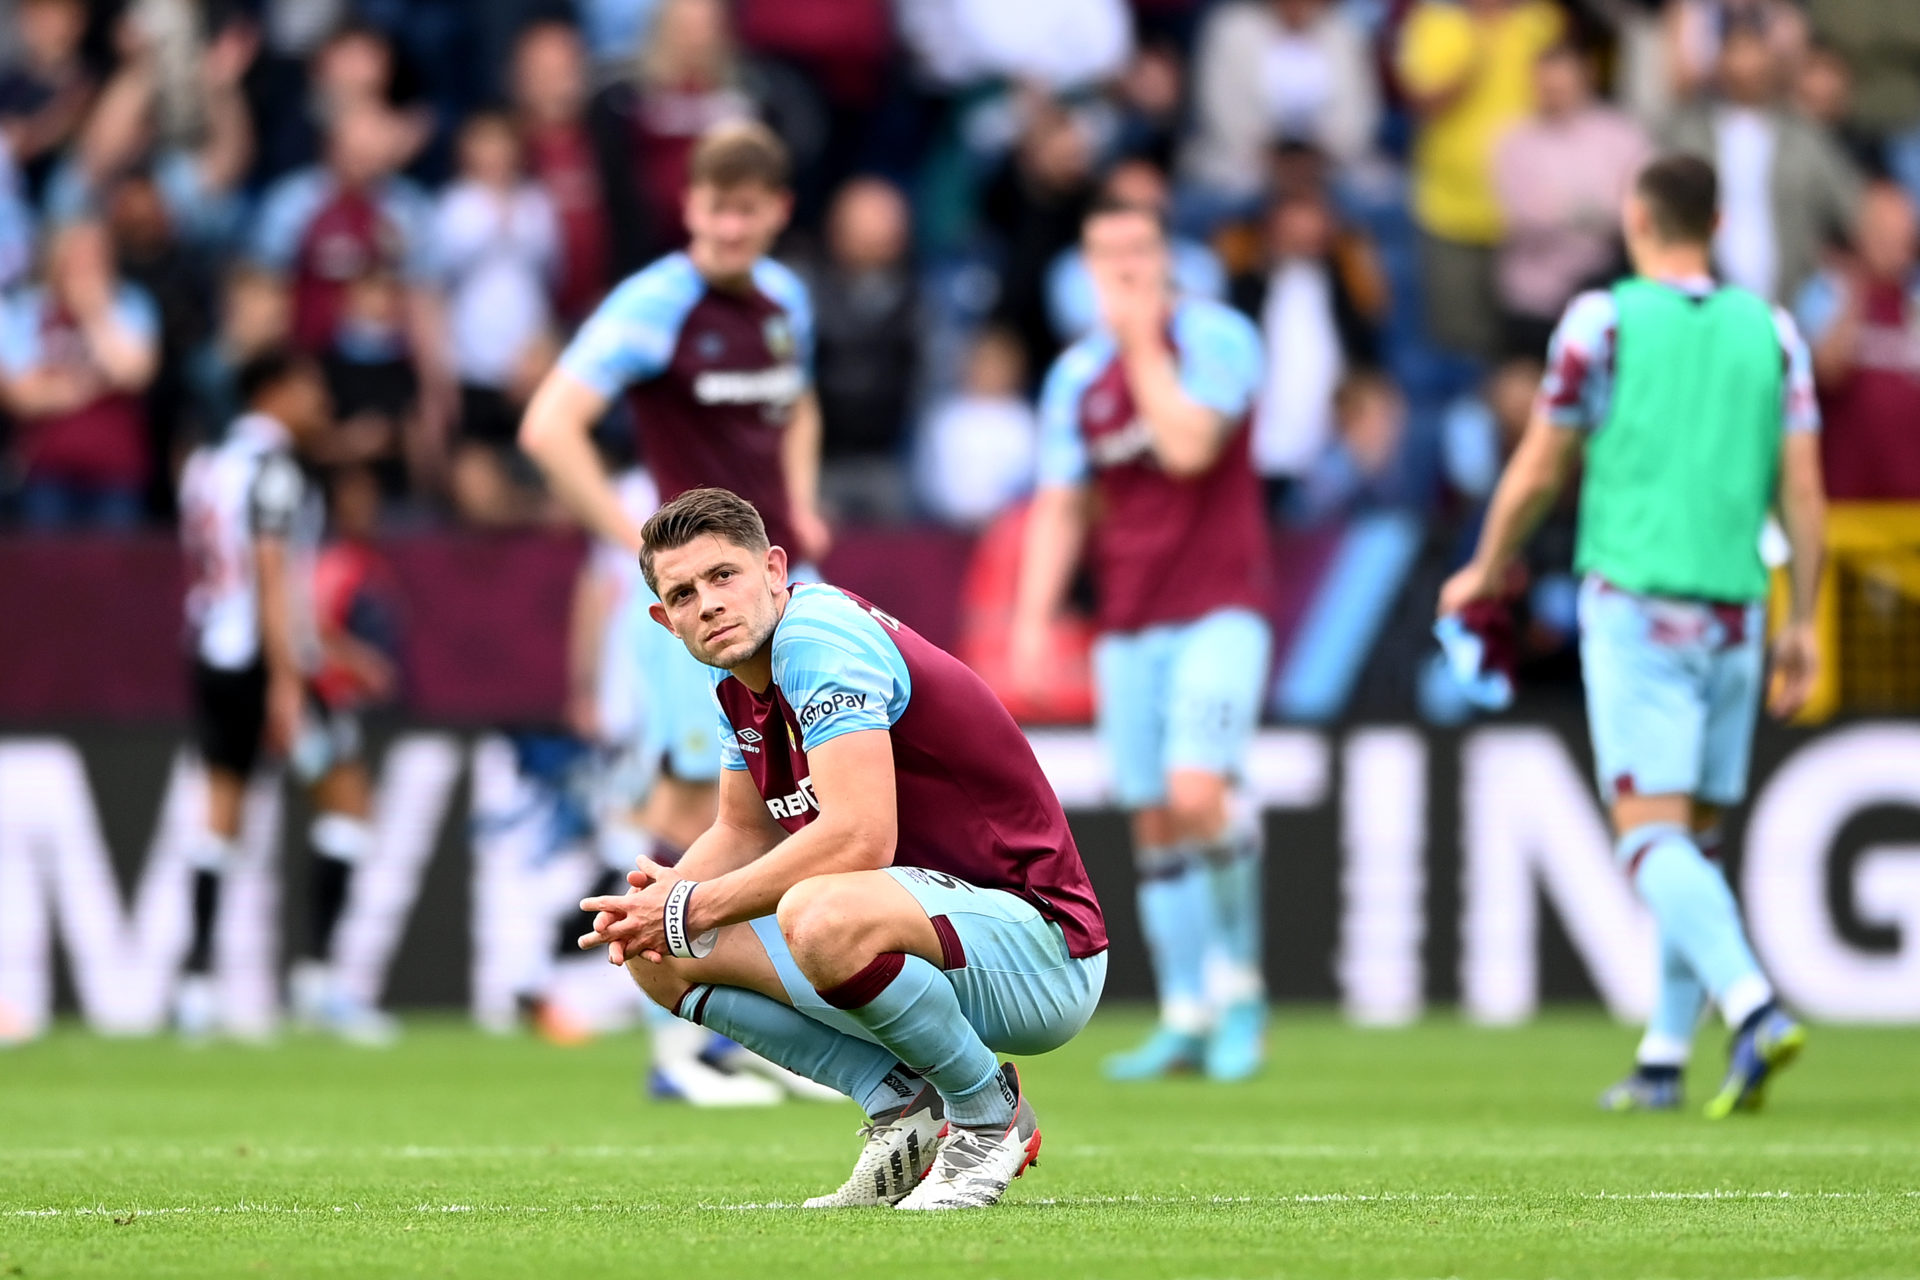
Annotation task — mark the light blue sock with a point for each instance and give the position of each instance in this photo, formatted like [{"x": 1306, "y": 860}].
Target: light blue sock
[
  {"x": 1695, "y": 909},
  {"x": 781, "y": 1034},
  {"x": 1676, "y": 1011},
  {"x": 1177, "y": 916},
  {"x": 1233, "y": 867},
  {"x": 909, "y": 1006}
]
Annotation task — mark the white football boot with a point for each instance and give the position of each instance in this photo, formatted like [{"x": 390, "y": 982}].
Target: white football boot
[
  {"x": 739, "y": 1061},
  {"x": 897, "y": 1155},
  {"x": 679, "y": 1075},
  {"x": 973, "y": 1169}
]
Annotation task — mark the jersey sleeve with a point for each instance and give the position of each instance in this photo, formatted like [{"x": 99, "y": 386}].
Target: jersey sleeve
[
  {"x": 1219, "y": 359},
  {"x": 1578, "y": 383},
  {"x": 274, "y": 499},
  {"x": 839, "y": 672},
  {"x": 1063, "y": 461},
  {"x": 630, "y": 337},
  {"x": 1800, "y": 407}
]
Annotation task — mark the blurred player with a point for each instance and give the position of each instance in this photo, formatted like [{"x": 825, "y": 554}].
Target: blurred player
[
  {"x": 890, "y": 893},
  {"x": 1693, "y": 402},
  {"x": 713, "y": 346},
  {"x": 356, "y": 620},
  {"x": 1144, "y": 459},
  {"x": 251, "y": 524}
]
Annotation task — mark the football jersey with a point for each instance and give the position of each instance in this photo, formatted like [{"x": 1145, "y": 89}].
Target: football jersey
[
  {"x": 247, "y": 487},
  {"x": 1163, "y": 549},
  {"x": 712, "y": 376},
  {"x": 972, "y": 800}
]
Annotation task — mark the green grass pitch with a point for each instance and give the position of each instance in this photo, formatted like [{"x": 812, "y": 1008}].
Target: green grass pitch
[{"x": 1442, "y": 1150}]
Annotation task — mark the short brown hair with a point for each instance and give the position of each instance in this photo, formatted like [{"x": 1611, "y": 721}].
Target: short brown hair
[
  {"x": 695, "y": 514},
  {"x": 1682, "y": 196},
  {"x": 737, "y": 153}
]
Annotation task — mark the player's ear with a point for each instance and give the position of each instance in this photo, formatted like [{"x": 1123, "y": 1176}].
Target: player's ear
[
  {"x": 658, "y": 612},
  {"x": 777, "y": 566}
]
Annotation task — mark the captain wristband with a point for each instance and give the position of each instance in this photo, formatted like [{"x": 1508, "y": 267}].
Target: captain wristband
[{"x": 680, "y": 944}]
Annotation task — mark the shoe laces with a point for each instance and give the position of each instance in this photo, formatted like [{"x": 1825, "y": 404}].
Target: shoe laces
[{"x": 964, "y": 1151}]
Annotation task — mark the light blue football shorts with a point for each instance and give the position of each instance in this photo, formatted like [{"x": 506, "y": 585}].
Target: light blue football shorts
[
  {"x": 1018, "y": 987},
  {"x": 679, "y": 726},
  {"x": 1673, "y": 687},
  {"x": 1180, "y": 696}
]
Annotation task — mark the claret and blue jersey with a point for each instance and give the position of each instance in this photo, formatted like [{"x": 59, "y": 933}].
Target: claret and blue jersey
[
  {"x": 973, "y": 802},
  {"x": 713, "y": 375},
  {"x": 1164, "y": 548}
]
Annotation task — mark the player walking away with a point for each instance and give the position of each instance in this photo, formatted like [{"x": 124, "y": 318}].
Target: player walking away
[
  {"x": 1144, "y": 458},
  {"x": 713, "y": 347},
  {"x": 890, "y": 895},
  {"x": 251, "y": 523},
  {"x": 1694, "y": 403}
]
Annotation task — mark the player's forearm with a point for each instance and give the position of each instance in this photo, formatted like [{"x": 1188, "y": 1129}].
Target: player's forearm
[
  {"x": 725, "y": 848},
  {"x": 1804, "y": 513},
  {"x": 554, "y": 434},
  {"x": 1525, "y": 494},
  {"x": 1056, "y": 528},
  {"x": 754, "y": 890},
  {"x": 800, "y": 456},
  {"x": 1186, "y": 437}
]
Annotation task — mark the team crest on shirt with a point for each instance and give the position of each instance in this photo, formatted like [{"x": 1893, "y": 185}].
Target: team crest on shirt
[
  {"x": 779, "y": 337},
  {"x": 791, "y": 740}
]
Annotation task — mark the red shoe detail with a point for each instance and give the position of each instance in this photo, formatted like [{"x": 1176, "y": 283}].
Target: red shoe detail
[{"x": 1033, "y": 1154}]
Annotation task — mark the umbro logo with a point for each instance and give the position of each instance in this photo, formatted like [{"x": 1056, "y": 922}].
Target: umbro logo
[{"x": 749, "y": 735}]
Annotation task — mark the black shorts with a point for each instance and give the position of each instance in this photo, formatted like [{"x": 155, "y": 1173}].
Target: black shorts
[{"x": 230, "y": 715}]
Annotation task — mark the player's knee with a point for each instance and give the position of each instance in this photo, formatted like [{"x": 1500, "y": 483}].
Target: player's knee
[
  {"x": 663, "y": 986},
  {"x": 818, "y": 917}
]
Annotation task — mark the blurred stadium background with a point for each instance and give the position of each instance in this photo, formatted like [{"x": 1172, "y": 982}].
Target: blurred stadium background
[{"x": 1403, "y": 193}]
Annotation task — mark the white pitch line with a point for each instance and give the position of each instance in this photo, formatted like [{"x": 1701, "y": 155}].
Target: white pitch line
[
  {"x": 1318, "y": 1198},
  {"x": 1273, "y": 1151}
]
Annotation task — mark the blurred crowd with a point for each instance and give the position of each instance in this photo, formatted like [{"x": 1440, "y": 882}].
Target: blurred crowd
[{"x": 430, "y": 194}]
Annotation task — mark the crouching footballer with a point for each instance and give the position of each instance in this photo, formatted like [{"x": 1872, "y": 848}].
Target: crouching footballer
[{"x": 889, "y": 897}]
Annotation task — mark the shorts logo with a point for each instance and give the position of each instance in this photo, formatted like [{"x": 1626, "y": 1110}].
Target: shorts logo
[
  {"x": 941, "y": 878},
  {"x": 814, "y": 712}
]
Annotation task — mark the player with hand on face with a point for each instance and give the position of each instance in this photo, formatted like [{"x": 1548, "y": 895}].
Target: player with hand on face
[
  {"x": 1693, "y": 404},
  {"x": 890, "y": 895},
  {"x": 1144, "y": 462}
]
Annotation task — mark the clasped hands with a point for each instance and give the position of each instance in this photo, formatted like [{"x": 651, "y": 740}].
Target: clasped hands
[{"x": 632, "y": 924}]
